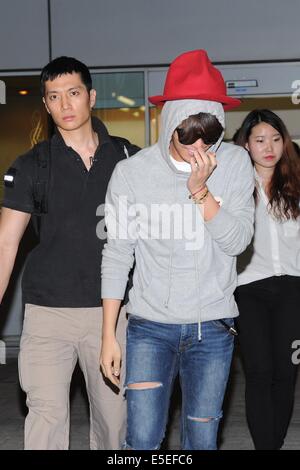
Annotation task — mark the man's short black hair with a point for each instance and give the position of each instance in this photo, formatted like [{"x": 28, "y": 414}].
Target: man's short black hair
[{"x": 61, "y": 66}]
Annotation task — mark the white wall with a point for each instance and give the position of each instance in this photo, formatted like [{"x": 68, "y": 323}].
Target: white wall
[
  {"x": 139, "y": 32},
  {"x": 23, "y": 34},
  {"x": 136, "y": 32}
]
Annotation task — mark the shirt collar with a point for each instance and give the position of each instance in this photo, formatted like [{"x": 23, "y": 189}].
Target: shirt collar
[
  {"x": 98, "y": 127},
  {"x": 258, "y": 178}
]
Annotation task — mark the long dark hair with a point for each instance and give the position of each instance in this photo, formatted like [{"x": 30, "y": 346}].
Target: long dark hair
[{"x": 284, "y": 188}]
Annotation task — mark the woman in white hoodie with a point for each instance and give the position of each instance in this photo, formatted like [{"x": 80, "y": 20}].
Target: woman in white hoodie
[{"x": 268, "y": 295}]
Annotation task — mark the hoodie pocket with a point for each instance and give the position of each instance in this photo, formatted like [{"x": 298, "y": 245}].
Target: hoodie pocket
[
  {"x": 156, "y": 293},
  {"x": 182, "y": 296},
  {"x": 210, "y": 291}
]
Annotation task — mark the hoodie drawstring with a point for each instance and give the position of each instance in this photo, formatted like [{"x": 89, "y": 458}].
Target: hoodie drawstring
[
  {"x": 171, "y": 252},
  {"x": 198, "y": 284}
]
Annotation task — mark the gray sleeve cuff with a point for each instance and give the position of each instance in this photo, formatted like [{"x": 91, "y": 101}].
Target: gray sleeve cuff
[
  {"x": 217, "y": 225},
  {"x": 110, "y": 289}
]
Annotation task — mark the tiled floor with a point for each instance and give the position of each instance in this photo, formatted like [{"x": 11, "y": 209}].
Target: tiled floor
[{"x": 234, "y": 432}]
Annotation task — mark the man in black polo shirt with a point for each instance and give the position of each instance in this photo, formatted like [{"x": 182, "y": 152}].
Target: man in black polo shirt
[{"x": 62, "y": 184}]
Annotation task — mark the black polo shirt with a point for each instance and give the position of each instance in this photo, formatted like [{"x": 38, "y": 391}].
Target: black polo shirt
[{"x": 64, "y": 268}]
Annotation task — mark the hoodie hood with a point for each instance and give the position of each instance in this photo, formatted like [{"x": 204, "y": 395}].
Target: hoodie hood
[{"x": 174, "y": 112}]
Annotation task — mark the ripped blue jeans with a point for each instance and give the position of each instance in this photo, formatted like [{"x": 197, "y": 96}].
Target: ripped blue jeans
[{"x": 156, "y": 353}]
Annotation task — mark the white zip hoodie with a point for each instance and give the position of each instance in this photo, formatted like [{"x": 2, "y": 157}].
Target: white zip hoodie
[{"x": 184, "y": 273}]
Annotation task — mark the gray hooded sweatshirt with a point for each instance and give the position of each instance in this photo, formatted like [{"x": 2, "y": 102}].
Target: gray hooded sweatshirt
[{"x": 185, "y": 268}]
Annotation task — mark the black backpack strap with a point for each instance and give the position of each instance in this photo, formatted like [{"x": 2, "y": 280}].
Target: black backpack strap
[
  {"x": 42, "y": 176},
  {"x": 42, "y": 152},
  {"x": 124, "y": 146}
]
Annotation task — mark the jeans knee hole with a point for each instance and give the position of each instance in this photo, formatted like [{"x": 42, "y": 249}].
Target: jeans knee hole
[
  {"x": 201, "y": 420},
  {"x": 205, "y": 420},
  {"x": 144, "y": 385}
]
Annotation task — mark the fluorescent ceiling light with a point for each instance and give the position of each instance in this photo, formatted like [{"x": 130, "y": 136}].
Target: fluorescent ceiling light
[{"x": 126, "y": 100}]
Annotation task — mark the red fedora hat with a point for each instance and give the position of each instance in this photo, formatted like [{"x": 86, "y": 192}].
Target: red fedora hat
[{"x": 192, "y": 76}]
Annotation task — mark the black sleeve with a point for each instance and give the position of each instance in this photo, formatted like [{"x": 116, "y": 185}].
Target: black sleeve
[{"x": 18, "y": 184}]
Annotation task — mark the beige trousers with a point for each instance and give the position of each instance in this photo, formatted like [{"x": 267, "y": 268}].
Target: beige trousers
[{"x": 52, "y": 341}]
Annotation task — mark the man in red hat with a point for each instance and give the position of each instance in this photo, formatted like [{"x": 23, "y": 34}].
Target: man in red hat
[{"x": 184, "y": 208}]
